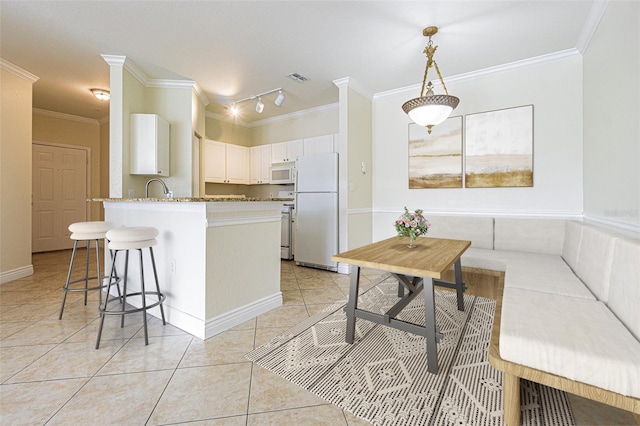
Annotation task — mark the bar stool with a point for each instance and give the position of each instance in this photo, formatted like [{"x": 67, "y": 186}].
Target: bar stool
[
  {"x": 87, "y": 231},
  {"x": 126, "y": 239}
]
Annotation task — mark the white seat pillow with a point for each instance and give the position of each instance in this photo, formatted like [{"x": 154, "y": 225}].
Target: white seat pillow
[
  {"x": 594, "y": 260},
  {"x": 624, "y": 291},
  {"x": 530, "y": 235},
  {"x": 575, "y": 338}
]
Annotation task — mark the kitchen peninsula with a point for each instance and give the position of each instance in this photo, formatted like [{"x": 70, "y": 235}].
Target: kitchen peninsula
[{"x": 218, "y": 259}]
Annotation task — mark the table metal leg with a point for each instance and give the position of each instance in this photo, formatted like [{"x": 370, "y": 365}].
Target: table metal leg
[
  {"x": 459, "y": 284},
  {"x": 352, "y": 304},
  {"x": 430, "y": 325}
]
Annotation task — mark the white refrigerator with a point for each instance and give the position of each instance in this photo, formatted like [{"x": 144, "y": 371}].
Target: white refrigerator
[{"x": 316, "y": 187}]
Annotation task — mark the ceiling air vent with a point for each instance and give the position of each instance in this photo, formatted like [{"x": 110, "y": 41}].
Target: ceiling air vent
[{"x": 297, "y": 77}]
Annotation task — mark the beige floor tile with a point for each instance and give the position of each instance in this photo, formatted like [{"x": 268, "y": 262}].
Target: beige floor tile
[
  {"x": 223, "y": 421},
  {"x": 14, "y": 359},
  {"x": 8, "y": 329},
  {"x": 110, "y": 331},
  {"x": 121, "y": 399},
  {"x": 284, "y": 316},
  {"x": 31, "y": 312},
  {"x": 45, "y": 332},
  {"x": 162, "y": 353},
  {"x": 315, "y": 308},
  {"x": 263, "y": 335},
  {"x": 247, "y": 325},
  {"x": 270, "y": 392},
  {"x": 322, "y": 295},
  {"x": 323, "y": 415},
  {"x": 35, "y": 403},
  {"x": 316, "y": 283},
  {"x": 204, "y": 393},
  {"x": 292, "y": 297},
  {"x": 155, "y": 328},
  {"x": 354, "y": 421},
  {"x": 289, "y": 284},
  {"x": 225, "y": 348},
  {"x": 69, "y": 361}
]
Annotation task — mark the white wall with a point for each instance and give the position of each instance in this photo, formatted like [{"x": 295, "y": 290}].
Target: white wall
[
  {"x": 611, "y": 119},
  {"x": 16, "y": 88},
  {"x": 555, "y": 90}
]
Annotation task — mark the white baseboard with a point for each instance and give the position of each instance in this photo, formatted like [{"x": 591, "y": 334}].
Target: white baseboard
[
  {"x": 242, "y": 314},
  {"x": 16, "y": 274},
  {"x": 209, "y": 328}
]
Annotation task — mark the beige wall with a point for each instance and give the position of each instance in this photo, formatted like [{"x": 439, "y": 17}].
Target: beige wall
[
  {"x": 223, "y": 131},
  {"x": 15, "y": 175},
  {"x": 611, "y": 116},
  {"x": 307, "y": 124},
  {"x": 74, "y": 132}
]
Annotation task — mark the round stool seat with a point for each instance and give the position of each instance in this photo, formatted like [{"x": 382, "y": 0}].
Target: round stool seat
[
  {"x": 133, "y": 237},
  {"x": 89, "y": 230}
]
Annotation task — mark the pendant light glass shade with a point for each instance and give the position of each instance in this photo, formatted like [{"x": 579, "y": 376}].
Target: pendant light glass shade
[{"x": 430, "y": 109}]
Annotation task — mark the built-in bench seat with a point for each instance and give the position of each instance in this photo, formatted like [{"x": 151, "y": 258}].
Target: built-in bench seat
[{"x": 570, "y": 310}]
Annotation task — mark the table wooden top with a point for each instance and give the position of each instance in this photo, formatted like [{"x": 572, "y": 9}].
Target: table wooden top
[{"x": 430, "y": 258}]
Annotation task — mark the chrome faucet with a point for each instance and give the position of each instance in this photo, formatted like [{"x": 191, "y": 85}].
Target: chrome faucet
[{"x": 166, "y": 191}]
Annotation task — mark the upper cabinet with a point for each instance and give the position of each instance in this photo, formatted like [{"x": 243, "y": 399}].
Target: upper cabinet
[
  {"x": 286, "y": 151},
  {"x": 149, "y": 145},
  {"x": 260, "y": 164},
  {"x": 225, "y": 163},
  {"x": 319, "y": 145}
]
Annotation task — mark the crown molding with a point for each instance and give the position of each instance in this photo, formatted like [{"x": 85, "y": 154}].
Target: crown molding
[
  {"x": 297, "y": 114},
  {"x": 353, "y": 84},
  {"x": 595, "y": 15},
  {"x": 146, "y": 81},
  {"x": 16, "y": 70},
  {"x": 474, "y": 75},
  {"x": 63, "y": 116},
  {"x": 276, "y": 119}
]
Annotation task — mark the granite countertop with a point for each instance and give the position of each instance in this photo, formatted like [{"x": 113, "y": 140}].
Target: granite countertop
[{"x": 209, "y": 199}]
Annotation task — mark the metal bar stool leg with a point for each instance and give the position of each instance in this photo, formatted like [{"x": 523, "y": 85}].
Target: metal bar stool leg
[
  {"x": 66, "y": 286},
  {"x": 144, "y": 300},
  {"x": 155, "y": 275},
  {"x": 103, "y": 308},
  {"x": 124, "y": 287}
]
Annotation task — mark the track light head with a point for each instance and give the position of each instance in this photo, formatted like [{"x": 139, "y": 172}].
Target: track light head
[
  {"x": 280, "y": 99},
  {"x": 259, "y": 106}
]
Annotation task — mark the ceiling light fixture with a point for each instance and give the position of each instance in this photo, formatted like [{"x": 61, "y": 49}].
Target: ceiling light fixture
[
  {"x": 430, "y": 109},
  {"x": 100, "y": 94},
  {"x": 260, "y": 105},
  {"x": 280, "y": 99}
]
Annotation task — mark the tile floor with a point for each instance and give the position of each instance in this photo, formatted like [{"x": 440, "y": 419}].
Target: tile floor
[{"x": 51, "y": 374}]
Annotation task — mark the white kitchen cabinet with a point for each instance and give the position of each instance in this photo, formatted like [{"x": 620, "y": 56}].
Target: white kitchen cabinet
[
  {"x": 225, "y": 163},
  {"x": 319, "y": 144},
  {"x": 286, "y": 151},
  {"x": 149, "y": 145},
  {"x": 260, "y": 163}
]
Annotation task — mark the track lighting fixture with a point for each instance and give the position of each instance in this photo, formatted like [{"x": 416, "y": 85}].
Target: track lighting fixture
[
  {"x": 280, "y": 99},
  {"x": 233, "y": 109}
]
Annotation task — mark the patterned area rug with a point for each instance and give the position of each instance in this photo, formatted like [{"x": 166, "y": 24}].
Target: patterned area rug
[{"x": 383, "y": 379}]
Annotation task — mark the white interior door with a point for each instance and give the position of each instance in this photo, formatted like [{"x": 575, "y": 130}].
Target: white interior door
[{"x": 59, "y": 191}]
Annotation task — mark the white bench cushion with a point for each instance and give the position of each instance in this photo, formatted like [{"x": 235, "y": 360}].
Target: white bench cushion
[
  {"x": 571, "y": 246},
  {"x": 594, "y": 260},
  {"x": 624, "y": 292},
  {"x": 575, "y": 338},
  {"x": 540, "y": 272},
  {"x": 478, "y": 230},
  {"x": 530, "y": 235}
]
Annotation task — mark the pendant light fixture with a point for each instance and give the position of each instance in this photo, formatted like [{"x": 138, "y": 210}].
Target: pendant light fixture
[{"x": 430, "y": 109}]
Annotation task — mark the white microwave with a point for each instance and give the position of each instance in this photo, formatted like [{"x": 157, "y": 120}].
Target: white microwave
[{"x": 283, "y": 173}]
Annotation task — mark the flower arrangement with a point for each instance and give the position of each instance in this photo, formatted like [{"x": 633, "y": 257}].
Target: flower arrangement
[{"x": 411, "y": 225}]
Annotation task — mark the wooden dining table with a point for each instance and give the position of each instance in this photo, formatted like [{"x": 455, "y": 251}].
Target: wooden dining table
[{"x": 417, "y": 269}]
